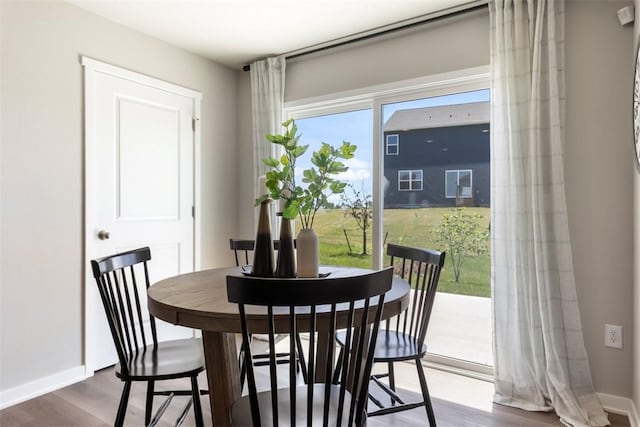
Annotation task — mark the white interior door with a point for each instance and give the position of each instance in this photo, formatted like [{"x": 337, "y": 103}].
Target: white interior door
[{"x": 140, "y": 184}]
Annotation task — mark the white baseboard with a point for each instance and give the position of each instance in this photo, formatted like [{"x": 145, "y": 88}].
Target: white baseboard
[
  {"x": 620, "y": 405},
  {"x": 634, "y": 416},
  {"x": 41, "y": 386}
]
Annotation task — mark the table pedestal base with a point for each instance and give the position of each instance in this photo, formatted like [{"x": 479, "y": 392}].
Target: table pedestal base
[{"x": 223, "y": 375}]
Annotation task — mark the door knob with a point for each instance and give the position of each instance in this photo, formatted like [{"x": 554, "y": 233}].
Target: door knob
[{"x": 103, "y": 234}]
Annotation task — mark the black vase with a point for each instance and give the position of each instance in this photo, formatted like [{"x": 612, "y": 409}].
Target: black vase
[
  {"x": 263, "y": 251},
  {"x": 286, "y": 265}
]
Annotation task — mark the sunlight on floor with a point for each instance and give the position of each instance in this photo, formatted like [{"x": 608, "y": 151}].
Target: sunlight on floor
[
  {"x": 459, "y": 389},
  {"x": 443, "y": 385}
]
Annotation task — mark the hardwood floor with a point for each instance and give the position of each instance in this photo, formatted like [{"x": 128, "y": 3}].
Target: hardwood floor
[{"x": 93, "y": 402}]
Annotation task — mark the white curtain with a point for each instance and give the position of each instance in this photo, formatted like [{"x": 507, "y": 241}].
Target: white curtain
[
  {"x": 267, "y": 101},
  {"x": 540, "y": 358}
]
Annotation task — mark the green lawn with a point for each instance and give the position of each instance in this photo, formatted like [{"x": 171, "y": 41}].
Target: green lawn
[{"x": 410, "y": 227}]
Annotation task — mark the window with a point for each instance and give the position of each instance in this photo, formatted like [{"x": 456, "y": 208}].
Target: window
[
  {"x": 332, "y": 224},
  {"x": 393, "y": 145},
  {"x": 458, "y": 184},
  {"x": 410, "y": 180}
]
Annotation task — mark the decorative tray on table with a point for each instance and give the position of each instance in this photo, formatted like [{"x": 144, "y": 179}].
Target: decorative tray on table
[{"x": 247, "y": 271}]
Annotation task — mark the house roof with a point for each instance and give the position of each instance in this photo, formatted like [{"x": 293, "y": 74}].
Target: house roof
[{"x": 442, "y": 116}]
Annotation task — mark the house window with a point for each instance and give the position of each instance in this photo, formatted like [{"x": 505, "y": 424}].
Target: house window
[
  {"x": 458, "y": 184},
  {"x": 393, "y": 146},
  {"x": 410, "y": 180}
]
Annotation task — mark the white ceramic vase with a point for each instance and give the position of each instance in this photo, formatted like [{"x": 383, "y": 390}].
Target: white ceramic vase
[{"x": 307, "y": 253}]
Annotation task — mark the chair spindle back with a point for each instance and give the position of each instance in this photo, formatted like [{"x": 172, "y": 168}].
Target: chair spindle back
[
  {"x": 421, "y": 269},
  {"x": 295, "y": 306},
  {"x": 118, "y": 278},
  {"x": 242, "y": 247}
]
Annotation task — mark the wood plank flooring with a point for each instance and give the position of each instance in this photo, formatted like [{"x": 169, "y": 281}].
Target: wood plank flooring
[{"x": 93, "y": 403}]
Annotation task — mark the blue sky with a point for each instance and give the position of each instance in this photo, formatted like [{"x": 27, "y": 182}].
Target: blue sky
[{"x": 357, "y": 128}]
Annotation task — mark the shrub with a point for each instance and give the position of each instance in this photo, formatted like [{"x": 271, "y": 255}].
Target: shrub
[{"x": 461, "y": 234}]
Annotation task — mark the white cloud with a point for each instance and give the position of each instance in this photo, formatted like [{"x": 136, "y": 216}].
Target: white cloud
[
  {"x": 357, "y": 164},
  {"x": 358, "y": 170},
  {"x": 354, "y": 175}
]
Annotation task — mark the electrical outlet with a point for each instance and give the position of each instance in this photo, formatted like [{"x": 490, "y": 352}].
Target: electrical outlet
[{"x": 613, "y": 336}]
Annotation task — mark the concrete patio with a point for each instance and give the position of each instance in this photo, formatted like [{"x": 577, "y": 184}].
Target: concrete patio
[{"x": 460, "y": 328}]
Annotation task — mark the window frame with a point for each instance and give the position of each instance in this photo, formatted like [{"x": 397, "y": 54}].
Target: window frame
[
  {"x": 411, "y": 180},
  {"x": 390, "y": 144},
  {"x": 457, "y": 171},
  {"x": 374, "y": 97}
]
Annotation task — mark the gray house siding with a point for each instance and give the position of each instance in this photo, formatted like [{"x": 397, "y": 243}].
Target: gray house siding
[{"x": 435, "y": 151}]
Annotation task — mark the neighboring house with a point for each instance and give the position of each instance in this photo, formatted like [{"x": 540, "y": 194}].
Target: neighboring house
[{"x": 437, "y": 156}]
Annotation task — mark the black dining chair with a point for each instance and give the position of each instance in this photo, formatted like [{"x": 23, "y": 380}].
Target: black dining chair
[
  {"x": 157, "y": 417},
  {"x": 242, "y": 249},
  {"x": 293, "y": 306},
  {"x": 403, "y": 337},
  {"x": 121, "y": 278}
]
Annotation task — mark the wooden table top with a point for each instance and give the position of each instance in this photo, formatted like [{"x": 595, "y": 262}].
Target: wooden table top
[{"x": 199, "y": 300}]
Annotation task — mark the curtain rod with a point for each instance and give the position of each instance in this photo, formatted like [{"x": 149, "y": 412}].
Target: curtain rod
[{"x": 478, "y": 5}]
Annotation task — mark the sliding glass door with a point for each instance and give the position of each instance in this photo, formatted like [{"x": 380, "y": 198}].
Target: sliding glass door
[
  {"x": 420, "y": 178},
  {"x": 436, "y": 178}
]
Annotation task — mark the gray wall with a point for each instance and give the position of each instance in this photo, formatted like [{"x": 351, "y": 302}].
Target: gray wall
[
  {"x": 42, "y": 265},
  {"x": 598, "y": 151},
  {"x": 636, "y": 218},
  {"x": 598, "y": 173}
]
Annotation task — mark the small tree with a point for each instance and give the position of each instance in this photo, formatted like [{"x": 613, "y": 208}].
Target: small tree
[
  {"x": 461, "y": 234},
  {"x": 359, "y": 207}
]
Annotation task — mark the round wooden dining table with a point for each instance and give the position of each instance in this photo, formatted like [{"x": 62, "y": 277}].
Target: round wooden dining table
[{"x": 199, "y": 300}]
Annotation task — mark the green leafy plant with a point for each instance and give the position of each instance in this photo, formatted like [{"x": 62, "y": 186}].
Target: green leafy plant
[
  {"x": 461, "y": 234},
  {"x": 281, "y": 180},
  {"x": 304, "y": 202}
]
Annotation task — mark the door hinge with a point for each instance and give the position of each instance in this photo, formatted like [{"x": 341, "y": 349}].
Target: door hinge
[
  {"x": 193, "y": 123},
  {"x": 193, "y": 211}
]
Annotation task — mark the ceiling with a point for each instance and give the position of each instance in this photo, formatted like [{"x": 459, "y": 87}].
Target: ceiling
[{"x": 237, "y": 32}]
